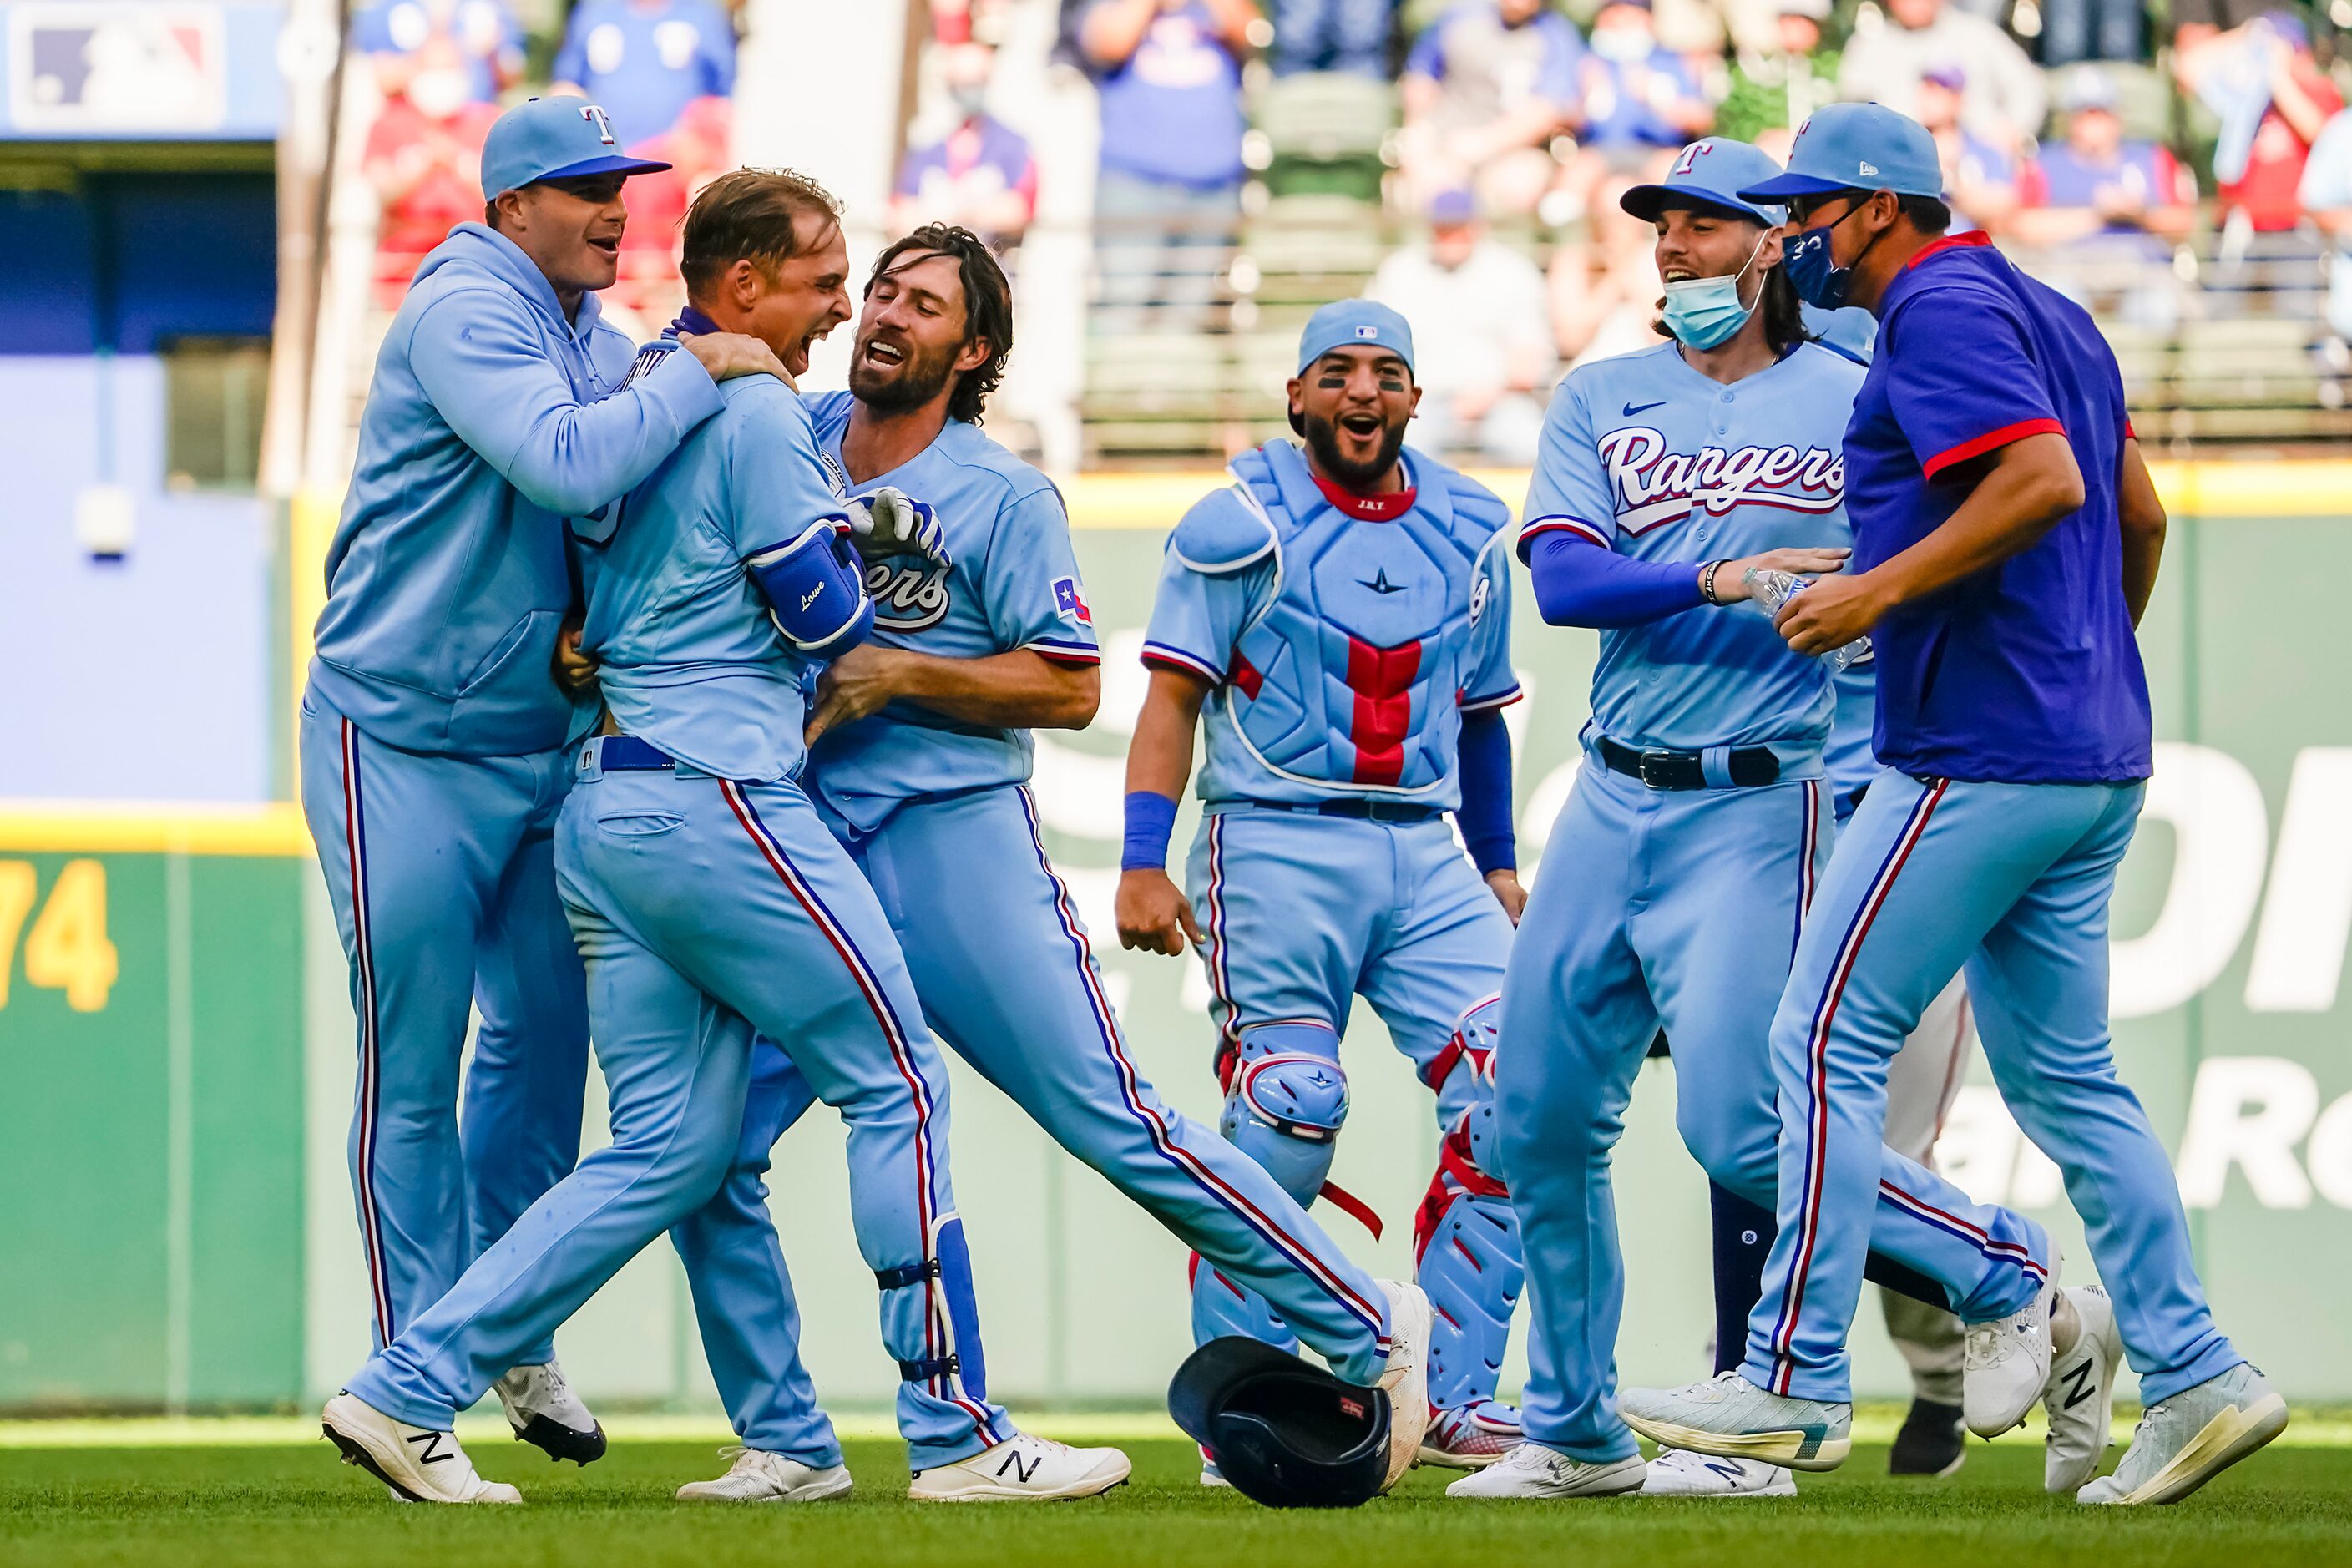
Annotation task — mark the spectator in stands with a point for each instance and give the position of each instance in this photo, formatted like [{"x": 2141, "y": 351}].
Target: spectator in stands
[
  {"x": 1332, "y": 36},
  {"x": 2327, "y": 194},
  {"x": 981, "y": 174},
  {"x": 1487, "y": 88},
  {"x": 645, "y": 60},
  {"x": 1604, "y": 292},
  {"x": 698, "y": 149},
  {"x": 1641, "y": 101},
  {"x": 2005, "y": 101},
  {"x": 2109, "y": 207},
  {"x": 482, "y": 33},
  {"x": 1477, "y": 307},
  {"x": 2272, "y": 101},
  {"x": 2198, "y": 22},
  {"x": 1775, "y": 89},
  {"x": 1979, "y": 179},
  {"x": 424, "y": 158},
  {"x": 1168, "y": 194}
]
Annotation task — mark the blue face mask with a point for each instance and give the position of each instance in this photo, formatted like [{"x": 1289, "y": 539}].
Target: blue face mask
[
  {"x": 1705, "y": 312},
  {"x": 1817, "y": 279}
]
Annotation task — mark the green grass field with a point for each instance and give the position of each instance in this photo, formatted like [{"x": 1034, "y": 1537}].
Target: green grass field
[{"x": 265, "y": 1506}]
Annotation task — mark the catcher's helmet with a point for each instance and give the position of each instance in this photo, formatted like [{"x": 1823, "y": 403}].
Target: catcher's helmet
[{"x": 1286, "y": 1434}]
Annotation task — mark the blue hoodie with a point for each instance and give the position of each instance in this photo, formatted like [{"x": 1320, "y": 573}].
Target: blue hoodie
[{"x": 491, "y": 419}]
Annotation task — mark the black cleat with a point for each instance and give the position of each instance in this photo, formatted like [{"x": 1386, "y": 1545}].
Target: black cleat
[
  {"x": 561, "y": 1442},
  {"x": 1933, "y": 1442}
]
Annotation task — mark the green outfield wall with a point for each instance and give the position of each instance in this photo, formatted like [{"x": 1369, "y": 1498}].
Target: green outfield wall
[{"x": 178, "y": 1228}]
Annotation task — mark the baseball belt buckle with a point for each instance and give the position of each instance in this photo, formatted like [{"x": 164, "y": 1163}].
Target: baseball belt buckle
[{"x": 1660, "y": 778}]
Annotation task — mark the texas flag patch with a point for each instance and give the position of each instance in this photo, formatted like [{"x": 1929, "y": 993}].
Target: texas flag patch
[{"x": 1067, "y": 600}]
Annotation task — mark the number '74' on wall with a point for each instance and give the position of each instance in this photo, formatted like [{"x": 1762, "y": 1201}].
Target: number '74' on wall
[{"x": 66, "y": 949}]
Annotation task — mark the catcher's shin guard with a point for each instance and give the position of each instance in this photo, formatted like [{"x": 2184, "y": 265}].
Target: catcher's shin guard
[{"x": 1466, "y": 1238}]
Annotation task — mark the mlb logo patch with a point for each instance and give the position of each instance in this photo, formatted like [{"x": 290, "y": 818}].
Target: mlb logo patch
[
  {"x": 1067, "y": 599},
  {"x": 1368, "y": 335}
]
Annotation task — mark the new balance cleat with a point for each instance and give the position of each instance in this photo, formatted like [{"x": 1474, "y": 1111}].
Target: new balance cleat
[
  {"x": 2005, "y": 1364},
  {"x": 2185, "y": 1441},
  {"x": 1406, "y": 1379},
  {"x": 546, "y": 1414},
  {"x": 1472, "y": 1436},
  {"x": 1532, "y": 1470},
  {"x": 1022, "y": 1468},
  {"x": 1677, "y": 1473},
  {"x": 1933, "y": 1441},
  {"x": 1731, "y": 1417},
  {"x": 419, "y": 1464},
  {"x": 757, "y": 1476},
  {"x": 2081, "y": 1398}
]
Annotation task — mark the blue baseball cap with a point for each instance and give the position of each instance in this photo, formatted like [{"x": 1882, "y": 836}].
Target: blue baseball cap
[
  {"x": 562, "y": 138},
  {"x": 1354, "y": 323},
  {"x": 1856, "y": 147},
  {"x": 1711, "y": 172}
]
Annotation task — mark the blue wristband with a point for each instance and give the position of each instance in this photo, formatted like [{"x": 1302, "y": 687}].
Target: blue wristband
[{"x": 1150, "y": 822}]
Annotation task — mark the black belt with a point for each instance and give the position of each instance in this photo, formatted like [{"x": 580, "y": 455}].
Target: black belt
[
  {"x": 1362, "y": 810},
  {"x": 1749, "y": 766},
  {"x": 626, "y": 753}
]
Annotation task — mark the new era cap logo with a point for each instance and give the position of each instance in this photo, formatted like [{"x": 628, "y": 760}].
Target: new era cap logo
[
  {"x": 1869, "y": 168},
  {"x": 603, "y": 124}
]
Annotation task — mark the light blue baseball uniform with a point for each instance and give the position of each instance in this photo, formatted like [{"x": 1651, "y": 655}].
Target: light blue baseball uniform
[
  {"x": 1345, "y": 650},
  {"x": 432, "y": 744},
  {"x": 1680, "y": 907},
  {"x": 1004, "y": 970},
  {"x": 711, "y": 904}
]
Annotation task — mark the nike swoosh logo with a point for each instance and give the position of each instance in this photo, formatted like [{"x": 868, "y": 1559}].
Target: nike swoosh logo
[{"x": 1633, "y": 408}]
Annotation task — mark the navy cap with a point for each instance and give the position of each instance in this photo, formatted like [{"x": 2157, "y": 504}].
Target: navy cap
[
  {"x": 554, "y": 139},
  {"x": 1714, "y": 172},
  {"x": 1354, "y": 323},
  {"x": 1856, "y": 147}
]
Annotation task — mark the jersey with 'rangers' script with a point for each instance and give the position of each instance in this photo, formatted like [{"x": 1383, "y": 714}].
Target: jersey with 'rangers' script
[{"x": 1643, "y": 455}]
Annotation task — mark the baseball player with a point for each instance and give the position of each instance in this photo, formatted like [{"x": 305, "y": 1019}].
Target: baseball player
[
  {"x": 709, "y": 901},
  {"x": 920, "y": 755},
  {"x": 433, "y": 736},
  {"x": 1698, "y": 824},
  {"x": 2007, "y": 538},
  {"x": 1347, "y": 608}
]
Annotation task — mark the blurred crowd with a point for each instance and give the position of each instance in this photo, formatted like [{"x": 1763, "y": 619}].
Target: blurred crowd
[{"x": 2122, "y": 147}]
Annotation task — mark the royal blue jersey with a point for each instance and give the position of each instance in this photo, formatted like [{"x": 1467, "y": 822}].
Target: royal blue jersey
[
  {"x": 1013, "y": 584},
  {"x": 689, "y": 657},
  {"x": 1643, "y": 455},
  {"x": 2027, "y": 672}
]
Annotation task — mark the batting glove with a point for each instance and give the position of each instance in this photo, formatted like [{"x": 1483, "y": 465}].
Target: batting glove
[{"x": 890, "y": 522}]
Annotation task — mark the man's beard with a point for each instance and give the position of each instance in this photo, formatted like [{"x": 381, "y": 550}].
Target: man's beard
[
  {"x": 919, "y": 379},
  {"x": 1323, "y": 440}
]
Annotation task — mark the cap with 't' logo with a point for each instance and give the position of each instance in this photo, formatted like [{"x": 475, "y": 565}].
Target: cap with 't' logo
[{"x": 554, "y": 139}]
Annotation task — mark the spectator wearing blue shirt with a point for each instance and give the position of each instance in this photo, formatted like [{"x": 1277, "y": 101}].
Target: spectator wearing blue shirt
[
  {"x": 980, "y": 175},
  {"x": 645, "y": 60},
  {"x": 1641, "y": 100},
  {"x": 394, "y": 35},
  {"x": 1168, "y": 194},
  {"x": 1979, "y": 179},
  {"x": 2110, "y": 208},
  {"x": 1487, "y": 88}
]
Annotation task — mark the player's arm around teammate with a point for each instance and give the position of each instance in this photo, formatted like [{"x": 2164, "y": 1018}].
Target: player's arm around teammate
[{"x": 432, "y": 737}]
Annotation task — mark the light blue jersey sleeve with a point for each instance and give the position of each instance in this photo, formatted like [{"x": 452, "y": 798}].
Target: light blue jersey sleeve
[
  {"x": 480, "y": 358},
  {"x": 776, "y": 483},
  {"x": 1570, "y": 487},
  {"x": 1034, "y": 597},
  {"x": 1207, "y": 599},
  {"x": 1488, "y": 681}
]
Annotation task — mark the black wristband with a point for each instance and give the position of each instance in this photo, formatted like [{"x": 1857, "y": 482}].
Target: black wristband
[{"x": 1707, "y": 582}]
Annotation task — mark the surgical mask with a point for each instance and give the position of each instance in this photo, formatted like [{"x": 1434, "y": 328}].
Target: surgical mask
[
  {"x": 970, "y": 97},
  {"x": 1622, "y": 43},
  {"x": 1817, "y": 279},
  {"x": 1705, "y": 312}
]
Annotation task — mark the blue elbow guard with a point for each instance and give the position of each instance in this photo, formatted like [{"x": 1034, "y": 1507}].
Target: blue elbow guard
[{"x": 815, "y": 589}]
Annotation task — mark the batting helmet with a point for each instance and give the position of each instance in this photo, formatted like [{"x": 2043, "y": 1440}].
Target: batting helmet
[{"x": 1286, "y": 1434}]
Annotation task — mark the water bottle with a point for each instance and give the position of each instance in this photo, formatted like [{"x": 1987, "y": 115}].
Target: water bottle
[{"x": 1769, "y": 590}]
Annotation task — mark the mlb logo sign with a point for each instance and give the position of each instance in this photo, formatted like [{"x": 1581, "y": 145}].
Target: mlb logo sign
[
  {"x": 101, "y": 68},
  {"x": 1067, "y": 600}
]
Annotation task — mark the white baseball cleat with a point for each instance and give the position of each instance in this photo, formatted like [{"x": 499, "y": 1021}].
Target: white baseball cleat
[
  {"x": 2185, "y": 1441},
  {"x": 1532, "y": 1470},
  {"x": 758, "y": 1476},
  {"x": 418, "y": 1463},
  {"x": 1679, "y": 1473},
  {"x": 1024, "y": 1469},
  {"x": 546, "y": 1414},
  {"x": 1406, "y": 1379},
  {"x": 1470, "y": 1437},
  {"x": 1729, "y": 1415},
  {"x": 1212, "y": 1476},
  {"x": 2081, "y": 1398},
  {"x": 2005, "y": 1364}
]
